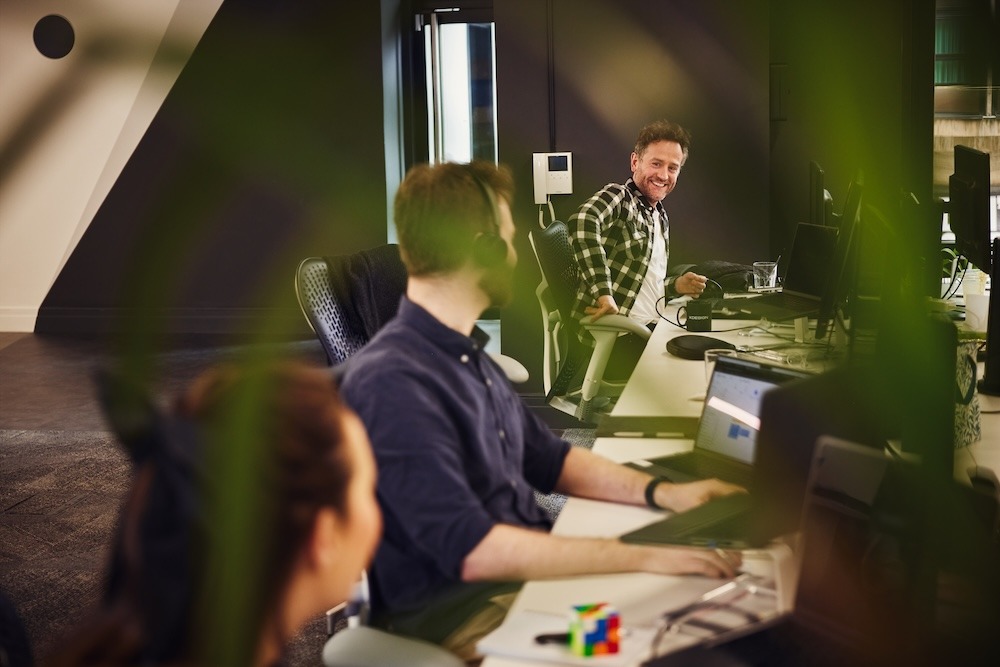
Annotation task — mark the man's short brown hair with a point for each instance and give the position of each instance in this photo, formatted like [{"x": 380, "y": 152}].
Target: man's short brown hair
[
  {"x": 440, "y": 209},
  {"x": 662, "y": 130}
]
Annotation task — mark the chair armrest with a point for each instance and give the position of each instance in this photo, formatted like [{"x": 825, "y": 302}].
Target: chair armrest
[
  {"x": 365, "y": 646},
  {"x": 615, "y": 323},
  {"x": 511, "y": 367}
]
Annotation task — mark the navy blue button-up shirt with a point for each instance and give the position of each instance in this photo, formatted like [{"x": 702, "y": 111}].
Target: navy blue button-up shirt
[{"x": 457, "y": 452}]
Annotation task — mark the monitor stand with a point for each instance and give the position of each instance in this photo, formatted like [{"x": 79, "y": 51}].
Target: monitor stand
[
  {"x": 990, "y": 384},
  {"x": 801, "y": 329}
]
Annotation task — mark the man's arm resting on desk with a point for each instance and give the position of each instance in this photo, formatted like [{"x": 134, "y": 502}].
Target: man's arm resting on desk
[
  {"x": 587, "y": 475},
  {"x": 512, "y": 553}
]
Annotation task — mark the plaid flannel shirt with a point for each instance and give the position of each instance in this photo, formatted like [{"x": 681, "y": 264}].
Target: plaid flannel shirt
[{"x": 611, "y": 237}]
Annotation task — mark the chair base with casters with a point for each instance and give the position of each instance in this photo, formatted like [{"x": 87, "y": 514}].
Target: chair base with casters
[{"x": 595, "y": 394}]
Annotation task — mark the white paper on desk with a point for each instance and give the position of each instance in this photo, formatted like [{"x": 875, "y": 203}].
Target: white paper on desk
[{"x": 516, "y": 639}]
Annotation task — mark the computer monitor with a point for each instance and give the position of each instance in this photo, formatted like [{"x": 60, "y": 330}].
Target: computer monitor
[
  {"x": 969, "y": 218},
  {"x": 969, "y": 206},
  {"x": 820, "y": 201},
  {"x": 839, "y": 277}
]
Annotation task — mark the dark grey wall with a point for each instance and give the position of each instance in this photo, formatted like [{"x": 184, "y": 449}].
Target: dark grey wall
[
  {"x": 269, "y": 147},
  {"x": 618, "y": 65},
  {"x": 856, "y": 95}
]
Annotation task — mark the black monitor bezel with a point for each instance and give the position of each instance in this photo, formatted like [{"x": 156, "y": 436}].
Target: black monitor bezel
[
  {"x": 838, "y": 278},
  {"x": 968, "y": 206}
]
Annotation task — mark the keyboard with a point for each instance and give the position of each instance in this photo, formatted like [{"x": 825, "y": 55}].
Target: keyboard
[
  {"x": 697, "y": 465},
  {"x": 718, "y": 514}
]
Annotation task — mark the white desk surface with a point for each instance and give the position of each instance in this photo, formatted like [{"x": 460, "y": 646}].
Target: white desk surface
[
  {"x": 664, "y": 385},
  {"x": 640, "y": 598}
]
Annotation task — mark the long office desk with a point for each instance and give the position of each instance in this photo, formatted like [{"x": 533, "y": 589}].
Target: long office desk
[
  {"x": 640, "y": 598},
  {"x": 665, "y": 385}
]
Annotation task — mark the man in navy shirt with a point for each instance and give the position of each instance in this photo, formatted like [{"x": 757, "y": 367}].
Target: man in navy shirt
[{"x": 458, "y": 452}]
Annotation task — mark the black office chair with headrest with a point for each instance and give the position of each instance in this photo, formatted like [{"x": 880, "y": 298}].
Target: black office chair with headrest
[
  {"x": 347, "y": 299},
  {"x": 325, "y": 316},
  {"x": 564, "y": 353}
]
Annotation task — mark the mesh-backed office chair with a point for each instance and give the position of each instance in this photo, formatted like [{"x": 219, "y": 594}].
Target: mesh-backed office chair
[
  {"x": 325, "y": 316},
  {"x": 564, "y": 354},
  {"x": 329, "y": 321}
]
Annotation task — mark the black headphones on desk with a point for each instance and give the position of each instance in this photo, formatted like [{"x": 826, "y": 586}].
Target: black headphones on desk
[{"x": 488, "y": 248}]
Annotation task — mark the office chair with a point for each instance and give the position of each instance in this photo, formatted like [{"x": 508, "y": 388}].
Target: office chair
[
  {"x": 325, "y": 316},
  {"x": 564, "y": 354},
  {"x": 358, "y": 645},
  {"x": 329, "y": 320}
]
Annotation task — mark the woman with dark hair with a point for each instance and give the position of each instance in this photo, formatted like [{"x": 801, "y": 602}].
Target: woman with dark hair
[{"x": 252, "y": 511}]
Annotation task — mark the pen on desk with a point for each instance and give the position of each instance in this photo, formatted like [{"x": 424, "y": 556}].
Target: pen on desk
[{"x": 553, "y": 638}]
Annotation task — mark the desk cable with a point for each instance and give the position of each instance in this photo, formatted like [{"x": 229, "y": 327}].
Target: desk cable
[{"x": 953, "y": 285}]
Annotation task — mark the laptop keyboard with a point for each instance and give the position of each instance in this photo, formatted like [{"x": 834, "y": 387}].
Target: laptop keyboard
[
  {"x": 714, "y": 513},
  {"x": 700, "y": 466}
]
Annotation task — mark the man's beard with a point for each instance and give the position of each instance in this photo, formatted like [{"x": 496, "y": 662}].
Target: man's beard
[{"x": 498, "y": 285}]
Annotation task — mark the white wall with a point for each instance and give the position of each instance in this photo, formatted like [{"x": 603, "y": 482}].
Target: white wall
[{"x": 68, "y": 126}]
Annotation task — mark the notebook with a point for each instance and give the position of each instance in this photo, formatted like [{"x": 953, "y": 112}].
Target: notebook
[
  {"x": 726, "y": 438},
  {"x": 805, "y": 281}
]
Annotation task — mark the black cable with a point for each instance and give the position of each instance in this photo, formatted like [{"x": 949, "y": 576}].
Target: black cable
[
  {"x": 953, "y": 288},
  {"x": 663, "y": 299}
]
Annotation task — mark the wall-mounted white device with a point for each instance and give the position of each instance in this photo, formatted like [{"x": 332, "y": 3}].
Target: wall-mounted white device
[{"x": 553, "y": 175}]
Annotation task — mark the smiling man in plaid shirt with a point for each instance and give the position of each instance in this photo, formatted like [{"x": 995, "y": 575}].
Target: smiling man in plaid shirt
[{"x": 621, "y": 240}]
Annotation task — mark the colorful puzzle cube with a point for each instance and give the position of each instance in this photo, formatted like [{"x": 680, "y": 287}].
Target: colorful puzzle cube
[{"x": 593, "y": 629}]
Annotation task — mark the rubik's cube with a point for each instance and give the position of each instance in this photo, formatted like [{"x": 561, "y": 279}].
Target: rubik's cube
[{"x": 593, "y": 629}]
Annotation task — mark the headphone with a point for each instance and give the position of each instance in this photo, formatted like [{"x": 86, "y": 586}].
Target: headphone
[{"x": 489, "y": 249}]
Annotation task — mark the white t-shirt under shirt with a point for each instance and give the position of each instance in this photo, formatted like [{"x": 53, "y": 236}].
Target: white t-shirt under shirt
[{"x": 644, "y": 309}]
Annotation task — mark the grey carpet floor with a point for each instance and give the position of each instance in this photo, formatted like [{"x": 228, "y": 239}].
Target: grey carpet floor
[{"x": 60, "y": 493}]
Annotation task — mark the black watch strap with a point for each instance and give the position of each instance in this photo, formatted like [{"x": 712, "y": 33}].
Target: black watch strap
[{"x": 651, "y": 492}]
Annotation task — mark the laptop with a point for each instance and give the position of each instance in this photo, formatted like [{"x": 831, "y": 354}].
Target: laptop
[
  {"x": 792, "y": 417},
  {"x": 726, "y": 438},
  {"x": 806, "y": 277},
  {"x": 835, "y": 608}
]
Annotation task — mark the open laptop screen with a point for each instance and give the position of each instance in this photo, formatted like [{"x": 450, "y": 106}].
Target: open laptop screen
[{"x": 730, "y": 419}]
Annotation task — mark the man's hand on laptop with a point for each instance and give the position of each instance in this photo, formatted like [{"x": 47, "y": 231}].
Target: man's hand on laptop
[
  {"x": 682, "y": 497},
  {"x": 690, "y": 560}
]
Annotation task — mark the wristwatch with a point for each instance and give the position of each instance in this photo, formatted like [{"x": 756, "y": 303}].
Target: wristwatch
[{"x": 651, "y": 492}]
